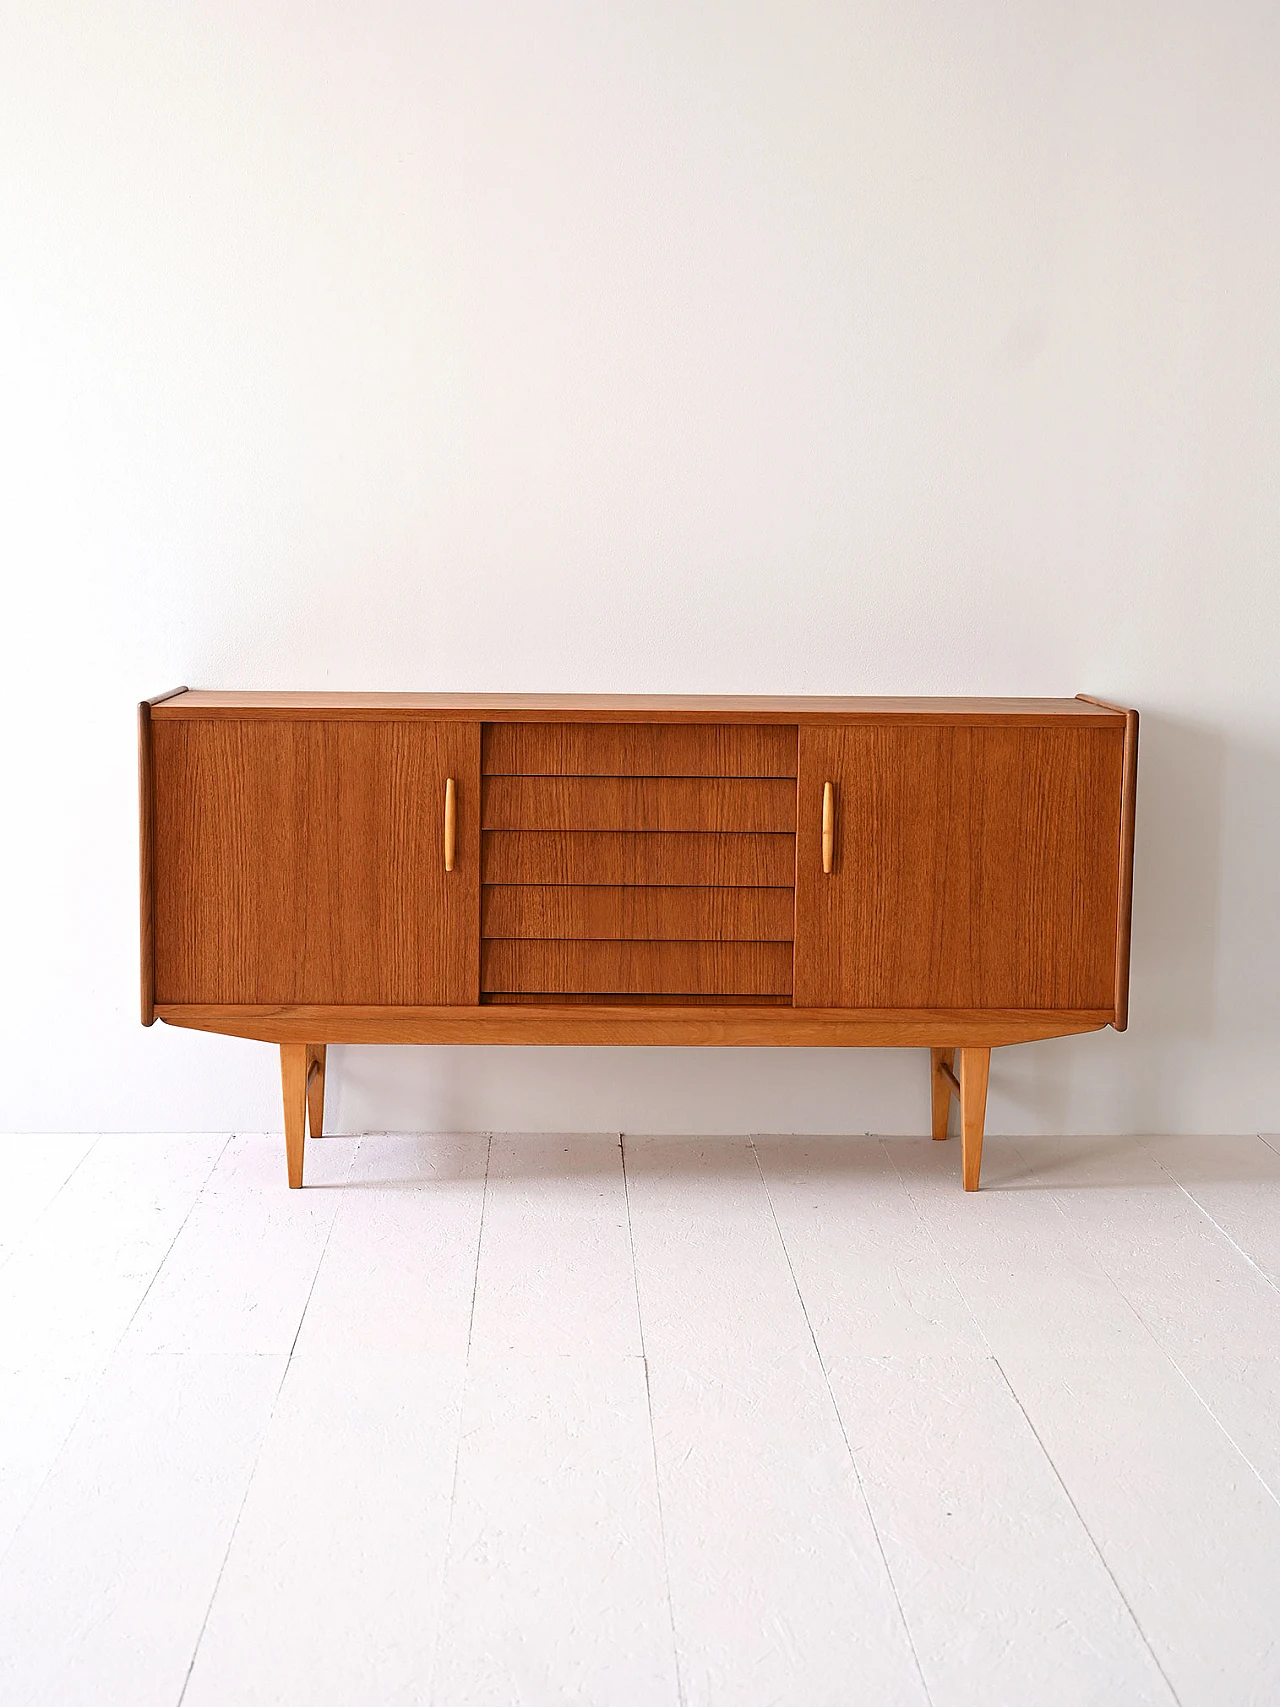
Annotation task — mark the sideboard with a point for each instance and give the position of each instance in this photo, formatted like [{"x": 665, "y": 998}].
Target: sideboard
[{"x": 951, "y": 874}]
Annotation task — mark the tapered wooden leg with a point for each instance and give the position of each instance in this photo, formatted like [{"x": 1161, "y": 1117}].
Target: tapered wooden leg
[
  {"x": 975, "y": 1064},
  {"x": 315, "y": 1089},
  {"x": 293, "y": 1080},
  {"x": 942, "y": 1091}
]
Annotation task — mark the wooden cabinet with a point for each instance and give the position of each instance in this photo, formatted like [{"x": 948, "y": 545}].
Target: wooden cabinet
[{"x": 415, "y": 868}]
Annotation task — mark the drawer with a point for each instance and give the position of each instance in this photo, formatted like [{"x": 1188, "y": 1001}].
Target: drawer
[
  {"x": 639, "y": 749},
  {"x": 604, "y": 911},
  {"x": 629, "y": 857},
  {"x": 637, "y": 803},
  {"x": 639, "y": 968}
]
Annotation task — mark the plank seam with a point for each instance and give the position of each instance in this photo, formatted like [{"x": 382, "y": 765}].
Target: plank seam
[{"x": 653, "y": 1433}]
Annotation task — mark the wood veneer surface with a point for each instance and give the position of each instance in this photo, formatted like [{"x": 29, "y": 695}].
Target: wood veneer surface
[
  {"x": 303, "y": 862},
  {"x": 973, "y": 867},
  {"x": 650, "y": 968},
  {"x": 638, "y": 803},
  {"x": 626, "y": 857},
  {"x": 639, "y": 749},
  {"x": 982, "y": 851},
  {"x": 641, "y": 708},
  {"x": 651, "y": 913},
  {"x": 653, "y": 1024}
]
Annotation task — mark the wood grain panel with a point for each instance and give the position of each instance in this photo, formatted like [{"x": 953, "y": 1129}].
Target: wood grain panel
[
  {"x": 303, "y": 862},
  {"x": 648, "y": 914},
  {"x": 669, "y": 968},
  {"x": 656, "y": 1024},
  {"x": 600, "y": 856},
  {"x": 974, "y": 867},
  {"x": 638, "y": 749},
  {"x": 146, "y": 870},
  {"x": 146, "y": 857},
  {"x": 637, "y": 803},
  {"x": 703, "y": 709}
]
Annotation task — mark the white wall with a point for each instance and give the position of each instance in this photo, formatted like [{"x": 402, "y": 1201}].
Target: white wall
[{"x": 801, "y": 347}]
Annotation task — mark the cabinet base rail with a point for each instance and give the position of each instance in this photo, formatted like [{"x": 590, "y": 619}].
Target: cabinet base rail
[{"x": 657, "y": 1026}]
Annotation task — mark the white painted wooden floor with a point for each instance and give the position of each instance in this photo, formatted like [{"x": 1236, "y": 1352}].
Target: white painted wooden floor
[{"x": 499, "y": 1421}]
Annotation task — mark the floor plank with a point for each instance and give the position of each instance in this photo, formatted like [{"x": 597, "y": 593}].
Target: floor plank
[
  {"x": 1002, "y": 1588},
  {"x": 68, "y": 1293},
  {"x": 779, "y": 1586},
  {"x": 398, "y": 1272},
  {"x": 331, "y": 1591},
  {"x": 555, "y": 1592},
  {"x": 1211, "y": 1308},
  {"x": 1189, "y": 1534},
  {"x": 106, "y": 1585},
  {"x": 332, "y": 1587},
  {"x": 555, "y": 1269},
  {"x": 78, "y": 1274},
  {"x": 864, "y": 1260},
  {"x": 240, "y": 1272},
  {"x": 1236, "y": 1181},
  {"x": 34, "y": 1168},
  {"x": 39, "y": 1404}
]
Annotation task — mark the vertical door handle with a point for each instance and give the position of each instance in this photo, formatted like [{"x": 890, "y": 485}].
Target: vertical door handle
[
  {"x": 828, "y": 825},
  {"x": 450, "y": 823}
]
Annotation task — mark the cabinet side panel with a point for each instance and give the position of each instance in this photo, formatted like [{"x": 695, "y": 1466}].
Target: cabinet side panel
[
  {"x": 146, "y": 869},
  {"x": 1128, "y": 822},
  {"x": 303, "y": 862}
]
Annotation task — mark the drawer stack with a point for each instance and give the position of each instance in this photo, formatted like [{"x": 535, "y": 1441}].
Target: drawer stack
[{"x": 637, "y": 862}]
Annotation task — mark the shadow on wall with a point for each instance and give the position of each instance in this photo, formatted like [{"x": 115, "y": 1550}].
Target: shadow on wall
[
  {"x": 1206, "y": 928},
  {"x": 1177, "y": 877},
  {"x": 518, "y": 1089}
]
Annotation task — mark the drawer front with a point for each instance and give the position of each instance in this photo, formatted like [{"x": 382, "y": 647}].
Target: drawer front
[
  {"x": 636, "y": 968},
  {"x": 601, "y": 912},
  {"x": 639, "y": 749},
  {"x": 638, "y": 803},
  {"x": 653, "y": 862},
  {"x": 603, "y": 856}
]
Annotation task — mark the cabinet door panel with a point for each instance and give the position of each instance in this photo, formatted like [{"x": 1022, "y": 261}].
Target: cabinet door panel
[
  {"x": 974, "y": 867},
  {"x": 304, "y": 862}
]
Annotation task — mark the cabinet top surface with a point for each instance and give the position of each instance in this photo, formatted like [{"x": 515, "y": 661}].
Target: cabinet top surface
[{"x": 613, "y": 708}]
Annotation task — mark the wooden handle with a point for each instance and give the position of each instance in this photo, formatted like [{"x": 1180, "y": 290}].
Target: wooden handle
[
  {"x": 828, "y": 825},
  {"x": 450, "y": 823}
]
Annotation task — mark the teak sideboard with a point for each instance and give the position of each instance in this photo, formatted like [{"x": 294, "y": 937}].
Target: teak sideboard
[{"x": 419, "y": 868}]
